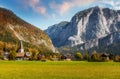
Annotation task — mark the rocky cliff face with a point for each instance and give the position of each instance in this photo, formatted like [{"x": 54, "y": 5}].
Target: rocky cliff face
[
  {"x": 95, "y": 24},
  {"x": 87, "y": 27},
  {"x": 59, "y": 33},
  {"x": 13, "y": 29}
]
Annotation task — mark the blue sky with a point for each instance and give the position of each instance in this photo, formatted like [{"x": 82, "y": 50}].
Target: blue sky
[{"x": 44, "y": 13}]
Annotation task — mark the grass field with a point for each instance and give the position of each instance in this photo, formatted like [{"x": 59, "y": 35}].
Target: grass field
[{"x": 59, "y": 70}]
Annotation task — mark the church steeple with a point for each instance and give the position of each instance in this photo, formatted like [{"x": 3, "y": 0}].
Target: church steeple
[
  {"x": 21, "y": 44},
  {"x": 20, "y": 55},
  {"x": 21, "y": 50}
]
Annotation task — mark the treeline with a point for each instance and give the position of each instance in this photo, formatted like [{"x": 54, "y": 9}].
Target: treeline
[
  {"x": 9, "y": 51},
  {"x": 31, "y": 54},
  {"x": 96, "y": 57}
]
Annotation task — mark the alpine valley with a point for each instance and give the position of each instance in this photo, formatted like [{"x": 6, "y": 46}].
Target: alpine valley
[
  {"x": 13, "y": 29},
  {"x": 95, "y": 28}
]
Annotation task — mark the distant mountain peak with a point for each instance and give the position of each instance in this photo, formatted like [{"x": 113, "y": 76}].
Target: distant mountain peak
[{"x": 86, "y": 27}]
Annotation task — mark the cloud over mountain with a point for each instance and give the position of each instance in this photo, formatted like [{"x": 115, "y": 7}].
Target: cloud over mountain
[
  {"x": 65, "y": 6},
  {"x": 113, "y": 4},
  {"x": 40, "y": 12},
  {"x": 36, "y": 6}
]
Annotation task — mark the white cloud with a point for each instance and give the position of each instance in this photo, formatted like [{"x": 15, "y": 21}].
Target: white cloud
[
  {"x": 36, "y": 5},
  {"x": 113, "y": 4},
  {"x": 40, "y": 9},
  {"x": 68, "y": 5},
  {"x": 33, "y": 3},
  {"x": 61, "y": 8}
]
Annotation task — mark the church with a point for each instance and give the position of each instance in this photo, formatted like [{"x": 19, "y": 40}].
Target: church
[{"x": 20, "y": 54}]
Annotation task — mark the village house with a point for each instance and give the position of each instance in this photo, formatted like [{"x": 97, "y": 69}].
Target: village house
[
  {"x": 27, "y": 55},
  {"x": 105, "y": 57},
  {"x": 5, "y": 55}
]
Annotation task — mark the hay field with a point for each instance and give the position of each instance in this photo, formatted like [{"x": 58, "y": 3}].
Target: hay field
[{"x": 59, "y": 70}]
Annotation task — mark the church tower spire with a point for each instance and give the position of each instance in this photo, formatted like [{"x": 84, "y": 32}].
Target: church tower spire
[
  {"x": 21, "y": 50},
  {"x": 20, "y": 55}
]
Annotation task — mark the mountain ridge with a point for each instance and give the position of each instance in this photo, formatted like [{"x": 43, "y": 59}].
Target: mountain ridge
[
  {"x": 90, "y": 24},
  {"x": 18, "y": 29}
]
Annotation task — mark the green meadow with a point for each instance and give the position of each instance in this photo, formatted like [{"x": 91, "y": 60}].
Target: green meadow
[{"x": 59, "y": 70}]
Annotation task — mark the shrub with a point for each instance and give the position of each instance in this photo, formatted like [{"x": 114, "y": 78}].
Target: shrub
[
  {"x": 12, "y": 55},
  {"x": 95, "y": 57},
  {"x": 34, "y": 54},
  {"x": 78, "y": 56},
  {"x": 86, "y": 55},
  {"x": 117, "y": 58}
]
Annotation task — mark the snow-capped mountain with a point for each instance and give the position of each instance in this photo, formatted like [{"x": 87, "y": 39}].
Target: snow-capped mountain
[{"x": 86, "y": 28}]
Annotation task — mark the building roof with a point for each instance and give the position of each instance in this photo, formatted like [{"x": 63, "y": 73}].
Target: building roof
[
  {"x": 20, "y": 55},
  {"x": 105, "y": 55}
]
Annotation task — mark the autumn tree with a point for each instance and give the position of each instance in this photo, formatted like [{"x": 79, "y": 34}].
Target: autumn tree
[
  {"x": 95, "y": 57},
  {"x": 34, "y": 54},
  {"x": 117, "y": 58},
  {"x": 78, "y": 56},
  {"x": 86, "y": 55},
  {"x": 12, "y": 55},
  {"x": 1, "y": 54}
]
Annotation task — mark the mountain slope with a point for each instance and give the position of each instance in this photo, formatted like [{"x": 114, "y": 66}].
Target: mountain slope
[
  {"x": 13, "y": 29},
  {"x": 109, "y": 44},
  {"x": 58, "y": 34},
  {"x": 87, "y": 26}
]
